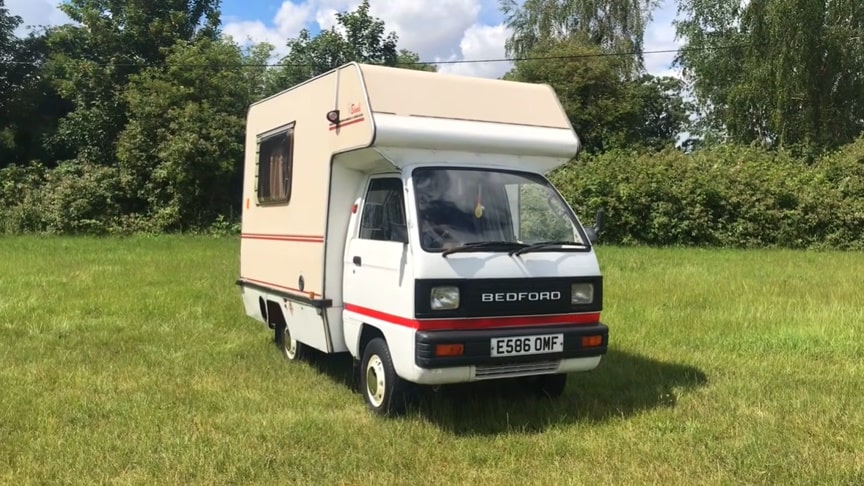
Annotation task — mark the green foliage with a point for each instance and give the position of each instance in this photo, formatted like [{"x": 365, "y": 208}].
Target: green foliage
[
  {"x": 617, "y": 25},
  {"x": 607, "y": 110},
  {"x": 9, "y": 45},
  {"x": 729, "y": 196},
  {"x": 411, "y": 60},
  {"x": 20, "y": 205},
  {"x": 784, "y": 73},
  {"x": 181, "y": 152},
  {"x": 91, "y": 63},
  {"x": 72, "y": 198},
  {"x": 29, "y": 107}
]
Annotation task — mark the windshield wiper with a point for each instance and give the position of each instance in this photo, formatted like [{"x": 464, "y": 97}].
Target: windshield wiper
[
  {"x": 486, "y": 245},
  {"x": 546, "y": 244}
]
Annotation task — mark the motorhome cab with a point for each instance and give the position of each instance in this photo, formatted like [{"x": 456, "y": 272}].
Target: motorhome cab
[{"x": 404, "y": 217}]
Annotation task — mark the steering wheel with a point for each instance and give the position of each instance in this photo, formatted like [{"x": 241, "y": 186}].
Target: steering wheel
[{"x": 438, "y": 235}]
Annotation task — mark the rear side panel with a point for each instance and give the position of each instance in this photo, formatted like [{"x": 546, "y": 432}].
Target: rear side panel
[{"x": 283, "y": 251}]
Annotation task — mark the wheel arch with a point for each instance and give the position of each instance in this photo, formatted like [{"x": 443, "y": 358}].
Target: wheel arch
[
  {"x": 275, "y": 317},
  {"x": 368, "y": 332}
]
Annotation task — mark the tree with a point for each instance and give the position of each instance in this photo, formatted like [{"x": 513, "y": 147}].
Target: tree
[
  {"x": 9, "y": 47},
  {"x": 606, "y": 110},
  {"x": 180, "y": 155},
  {"x": 357, "y": 36},
  {"x": 411, "y": 60},
  {"x": 783, "y": 73},
  {"x": 29, "y": 107},
  {"x": 612, "y": 25},
  {"x": 116, "y": 39},
  {"x": 9, "y": 71},
  {"x": 657, "y": 111}
]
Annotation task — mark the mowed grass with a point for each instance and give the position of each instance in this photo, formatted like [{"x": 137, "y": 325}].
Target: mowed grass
[{"x": 130, "y": 361}]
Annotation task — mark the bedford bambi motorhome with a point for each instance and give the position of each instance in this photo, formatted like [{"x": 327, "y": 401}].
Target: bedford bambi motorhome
[{"x": 404, "y": 217}]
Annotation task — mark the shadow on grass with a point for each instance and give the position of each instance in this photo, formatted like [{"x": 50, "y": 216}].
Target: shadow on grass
[{"x": 624, "y": 385}]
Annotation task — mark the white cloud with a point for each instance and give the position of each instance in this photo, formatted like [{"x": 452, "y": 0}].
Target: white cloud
[
  {"x": 444, "y": 30},
  {"x": 242, "y": 31},
  {"x": 433, "y": 30},
  {"x": 660, "y": 36},
  {"x": 481, "y": 42},
  {"x": 291, "y": 18},
  {"x": 36, "y": 13}
]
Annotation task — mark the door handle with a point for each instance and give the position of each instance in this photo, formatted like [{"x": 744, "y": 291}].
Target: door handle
[{"x": 358, "y": 261}]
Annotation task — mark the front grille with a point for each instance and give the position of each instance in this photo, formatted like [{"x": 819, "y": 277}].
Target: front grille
[
  {"x": 512, "y": 370},
  {"x": 506, "y": 297}
]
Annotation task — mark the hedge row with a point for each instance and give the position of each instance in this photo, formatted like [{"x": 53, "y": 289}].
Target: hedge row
[
  {"x": 725, "y": 196},
  {"x": 78, "y": 198}
]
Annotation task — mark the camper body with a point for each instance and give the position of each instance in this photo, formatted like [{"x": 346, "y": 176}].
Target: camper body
[{"x": 403, "y": 217}]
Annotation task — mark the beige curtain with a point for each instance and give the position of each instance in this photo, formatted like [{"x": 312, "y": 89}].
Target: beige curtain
[{"x": 278, "y": 169}]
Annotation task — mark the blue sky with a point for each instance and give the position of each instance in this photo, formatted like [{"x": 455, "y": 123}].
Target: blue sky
[
  {"x": 439, "y": 30},
  {"x": 267, "y": 9}
]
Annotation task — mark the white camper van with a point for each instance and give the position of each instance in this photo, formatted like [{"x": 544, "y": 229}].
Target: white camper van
[{"x": 403, "y": 217}]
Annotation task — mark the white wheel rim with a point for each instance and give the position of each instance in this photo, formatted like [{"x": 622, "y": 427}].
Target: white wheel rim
[
  {"x": 290, "y": 346},
  {"x": 375, "y": 384}
]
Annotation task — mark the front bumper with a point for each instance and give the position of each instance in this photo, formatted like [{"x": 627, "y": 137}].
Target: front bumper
[{"x": 477, "y": 345}]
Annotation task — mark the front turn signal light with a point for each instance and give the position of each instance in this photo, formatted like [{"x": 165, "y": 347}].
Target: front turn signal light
[
  {"x": 449, "y": 349},
  {"x": 592, "y": 341}
]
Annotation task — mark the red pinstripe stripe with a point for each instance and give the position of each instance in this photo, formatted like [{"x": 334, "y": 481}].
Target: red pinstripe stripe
[
  {"x": 476, "y": 323},
  {"x": 297, "y": 238},
  {"x": 346, "y": 123}
]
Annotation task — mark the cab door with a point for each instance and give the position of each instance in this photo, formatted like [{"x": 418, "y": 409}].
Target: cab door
[{"x": 377, "y": 281}]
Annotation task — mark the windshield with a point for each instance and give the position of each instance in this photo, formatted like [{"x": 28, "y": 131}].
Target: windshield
[{"x": 459, "y": 207}]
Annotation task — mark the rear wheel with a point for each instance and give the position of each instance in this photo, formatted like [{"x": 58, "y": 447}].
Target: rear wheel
[
  {"x": 291, "y": 349},
  {"x": 383, "y": 391}
]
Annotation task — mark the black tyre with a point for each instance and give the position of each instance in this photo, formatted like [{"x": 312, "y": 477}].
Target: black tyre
[
  {"x": 383, "y": 391},
  {"x": 551, "y": 386},
  {"x": 291, "y": 349}
]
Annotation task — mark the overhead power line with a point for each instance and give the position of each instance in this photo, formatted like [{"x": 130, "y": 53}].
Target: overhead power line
[{"x": 428, "y": 63}]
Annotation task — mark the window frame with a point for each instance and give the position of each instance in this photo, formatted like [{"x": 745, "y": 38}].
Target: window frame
[
  {"x": 288, "y": 132},
  {"x": 403, "y": 209}
]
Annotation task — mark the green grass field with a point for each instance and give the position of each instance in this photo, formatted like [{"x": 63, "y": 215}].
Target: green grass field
[{"x": 131, "y": 361}]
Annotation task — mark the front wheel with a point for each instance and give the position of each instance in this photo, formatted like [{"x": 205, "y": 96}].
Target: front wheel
[
  {"x": 383, "y": 391},
  {"x": 551, "y": 386}
]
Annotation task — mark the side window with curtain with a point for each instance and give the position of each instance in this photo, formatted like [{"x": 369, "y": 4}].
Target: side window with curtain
[
  {"x": 383, "y": 217},
  {"x": 275, "y": 164}
]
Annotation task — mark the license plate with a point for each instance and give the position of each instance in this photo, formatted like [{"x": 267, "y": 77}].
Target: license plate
[{"x": 526, "y": 345}]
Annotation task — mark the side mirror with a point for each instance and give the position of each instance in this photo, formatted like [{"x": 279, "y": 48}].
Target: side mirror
[
  {"x": 594, "y": 231},
  {"x": 599, "y": 219}
]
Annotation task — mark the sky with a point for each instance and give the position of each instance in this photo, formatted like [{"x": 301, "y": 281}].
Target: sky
[{"x": 440, "y": 30}]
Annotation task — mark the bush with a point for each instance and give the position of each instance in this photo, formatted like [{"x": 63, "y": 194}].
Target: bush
[
  {"x": 73, "y": 198},
  {"x": 20, "y": 208},
  {"x": 724, "y": 196},
  {"x": 728, "y": 196}
]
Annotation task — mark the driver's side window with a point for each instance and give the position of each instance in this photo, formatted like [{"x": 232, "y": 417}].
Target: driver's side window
[{"x": 383, "y": 217}]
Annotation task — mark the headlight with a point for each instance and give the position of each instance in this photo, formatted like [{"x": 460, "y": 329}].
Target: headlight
[
  {"x": 581, "y": 293},
  {"x": 442, "y": 298}
]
